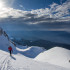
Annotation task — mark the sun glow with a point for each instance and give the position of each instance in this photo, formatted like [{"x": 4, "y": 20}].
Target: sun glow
[{"x": 2, "y": 5}]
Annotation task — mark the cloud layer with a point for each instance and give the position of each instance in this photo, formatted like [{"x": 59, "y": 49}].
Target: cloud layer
[{"x": 57, "y": 17}]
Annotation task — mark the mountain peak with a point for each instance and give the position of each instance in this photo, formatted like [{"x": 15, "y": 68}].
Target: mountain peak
[{"x": 5, "y": 42}]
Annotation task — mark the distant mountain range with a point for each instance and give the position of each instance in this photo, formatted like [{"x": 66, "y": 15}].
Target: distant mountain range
[
  {"x": 53, "y": 36},
  {"x": 41, "y": 43}
]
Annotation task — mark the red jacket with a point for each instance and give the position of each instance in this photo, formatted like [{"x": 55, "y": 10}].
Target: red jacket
[{"x": 10, "y": 48}]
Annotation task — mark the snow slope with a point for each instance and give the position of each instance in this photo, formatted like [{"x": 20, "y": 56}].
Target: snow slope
[
  {"x": 57, "y": 56},
  {"x": 5, "y": 42},
  {"x": 20, "y": 62},
  {"x": 31, "y": 52}
]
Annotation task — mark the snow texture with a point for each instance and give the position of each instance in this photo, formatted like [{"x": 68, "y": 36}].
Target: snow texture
[
  {"x": 31, "y": 52},
  {"x": 57, "y": 56},
  {"x": 19, "y": 61}
]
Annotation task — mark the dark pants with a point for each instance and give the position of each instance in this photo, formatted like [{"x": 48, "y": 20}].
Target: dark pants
[{"x": 10, "y": 52}]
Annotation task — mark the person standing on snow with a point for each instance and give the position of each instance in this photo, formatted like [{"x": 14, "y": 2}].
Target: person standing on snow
[{"x": 10, "y": 50}]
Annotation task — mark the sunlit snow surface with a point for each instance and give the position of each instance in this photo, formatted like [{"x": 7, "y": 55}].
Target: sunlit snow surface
[
  {"x": 29, "y": 58},
  {"x": 57, "y": 56},
  {"x": 20, "y": 62}
]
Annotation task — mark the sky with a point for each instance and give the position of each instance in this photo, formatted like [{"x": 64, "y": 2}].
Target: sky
[
  {"x": 34, "y": 4},
  {"x": 40, "y": 15}
]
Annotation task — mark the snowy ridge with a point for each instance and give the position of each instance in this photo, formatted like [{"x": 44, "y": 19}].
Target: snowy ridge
[
  {"x": 57, "y": 56},
  {"x": 31, "y": 52},
  {"x": 5, "y": 41},
  {"x": 21, "y": 58},
  {"x": 20, "y": 62}
]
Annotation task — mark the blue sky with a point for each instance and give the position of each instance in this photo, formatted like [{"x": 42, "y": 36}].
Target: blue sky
[{"x": 34, "y": 4}]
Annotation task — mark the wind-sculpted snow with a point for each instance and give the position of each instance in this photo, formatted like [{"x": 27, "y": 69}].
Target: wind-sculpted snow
[
  {"x": 57, "y": 56},
  {"x": 20, "y": 62},
  {"x": 31, "y": 52}
]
